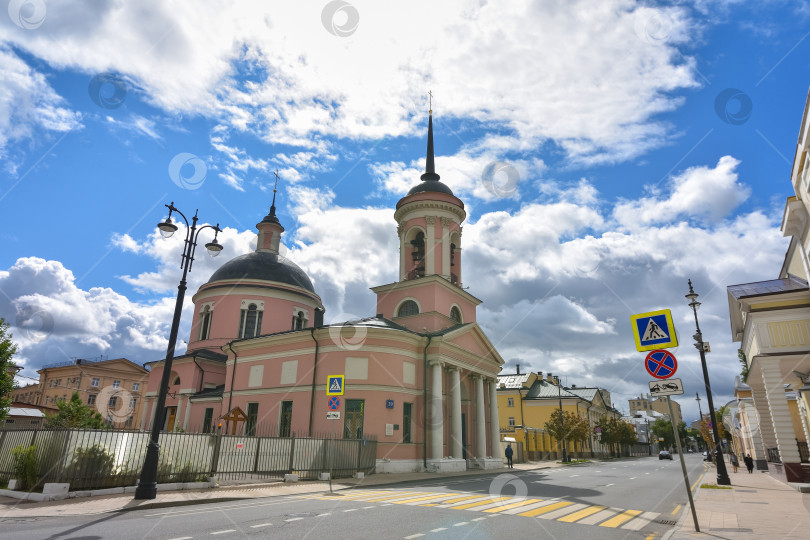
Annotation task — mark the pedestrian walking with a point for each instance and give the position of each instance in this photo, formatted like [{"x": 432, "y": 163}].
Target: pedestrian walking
[
  {"x": 508, "y": 453},
  {"x": 734, "y": 461},
  {"x": 749, "y": 463}
]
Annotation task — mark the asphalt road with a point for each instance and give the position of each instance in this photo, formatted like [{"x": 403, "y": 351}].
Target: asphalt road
[{"x": 619, "y": 499}]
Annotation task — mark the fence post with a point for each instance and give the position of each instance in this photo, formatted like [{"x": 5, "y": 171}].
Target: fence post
[
  {"x": 256, "y": 458},
  {"x": 215, "y": 456},
  {"x": 360, "y": 444},
  {"x": 292, "y": 453}
]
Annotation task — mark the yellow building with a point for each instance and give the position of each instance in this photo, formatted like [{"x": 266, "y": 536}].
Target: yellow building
[
  {"x": 115, "y": 388},
  {"x": 526, "y": 402}
]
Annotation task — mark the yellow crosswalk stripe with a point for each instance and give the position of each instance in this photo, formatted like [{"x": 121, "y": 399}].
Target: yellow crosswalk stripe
[
  {"x": 480, "y": 503},
  {"x": 544, "y": 509},
  {"x": 459, "y": 499},
  {"x": 512, "y": 505},
  {"x": 398, "y": 496},
  {"x": 621, "y": 518},
  {"x": 425, "y": 498},
  {"x": 570, "y": 518}
]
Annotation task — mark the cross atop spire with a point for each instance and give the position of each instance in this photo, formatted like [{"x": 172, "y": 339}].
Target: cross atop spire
[
  {"x": 430, "y": 169},
  {"x": 272, "y": 215}
]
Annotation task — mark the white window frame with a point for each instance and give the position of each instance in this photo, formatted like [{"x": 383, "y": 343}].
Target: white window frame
[
  {"x": 136, "y": 386},
  {"x": 94, "y": 383},
  {"x": 243, "y": 317},
  {"x": 205, "y": 329},
  {"x": 511, "y": 421},
  {"x": 296, "y": 310},
  {"x": 401, "y": 302},
  {"x": 116, "y": 384},
  {"x": 510, "y": 402}
]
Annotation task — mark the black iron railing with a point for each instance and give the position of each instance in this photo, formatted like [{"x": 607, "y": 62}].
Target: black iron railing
[
  {"x": 773, "y": 455},
  {"x": 804, "y": 453}
]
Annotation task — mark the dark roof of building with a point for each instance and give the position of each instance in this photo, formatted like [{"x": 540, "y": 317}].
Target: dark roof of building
[
  {"x": 265, "y": 266},
  {"x": 773, "y": 286},
  {"x": 585, "y": 393},
  {"x": 210, "y": 392},
  {"x": 431, "y": 186}
]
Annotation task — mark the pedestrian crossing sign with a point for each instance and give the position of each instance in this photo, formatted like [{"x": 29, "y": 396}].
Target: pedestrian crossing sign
[
  {"x": 334, "y": 385},
  {"x": 654, "y": 330}
]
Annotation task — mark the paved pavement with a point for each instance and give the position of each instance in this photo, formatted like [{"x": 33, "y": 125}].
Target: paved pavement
[{"x": 757, "y": 505}]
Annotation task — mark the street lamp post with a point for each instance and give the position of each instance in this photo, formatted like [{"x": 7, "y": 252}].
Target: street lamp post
[
  {"x": 562, "y": 420},
  {"x": 147, "y": 485},
  {"x": 722, "y": 474}
]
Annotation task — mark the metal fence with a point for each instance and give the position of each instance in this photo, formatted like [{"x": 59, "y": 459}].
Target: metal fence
[
  {"x": 804, "y": 453},
  {"x": 773, "y": 455},
  {"x": 94, "y": 459}
]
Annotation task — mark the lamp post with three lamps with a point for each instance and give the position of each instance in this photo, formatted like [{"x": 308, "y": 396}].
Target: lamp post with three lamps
[
  {"x": 722, "y": 474},
  {"x": 147, "y": 485}
]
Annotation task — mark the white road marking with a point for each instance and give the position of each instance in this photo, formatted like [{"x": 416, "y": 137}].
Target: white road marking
[
  {"x": 367, "y": 507},
  {"x": 350, "y": 510},
  {"x": 462, "y": 523},
  {"x": 608, "y": 485},
  {"x": 292, "y": 519},
  {"x": 439, "y": 529},
  {"x": 182, "y": 538},
  {"x": 326, "y": 514},
  {"x": 573, "y": 475},
  {"x": 633, "y": 478},
  {"x": 225, "y": 531},
  {"x": 417, "y": 535},
  {"x": 479, "y": 519},
  {"x": 257, "y": 526}
]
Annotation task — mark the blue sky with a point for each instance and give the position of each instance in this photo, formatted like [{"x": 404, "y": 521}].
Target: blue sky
[{"x": 647, "y": 142}]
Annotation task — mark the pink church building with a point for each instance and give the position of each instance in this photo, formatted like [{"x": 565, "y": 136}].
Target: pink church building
[{"x": 420, "y": 374}]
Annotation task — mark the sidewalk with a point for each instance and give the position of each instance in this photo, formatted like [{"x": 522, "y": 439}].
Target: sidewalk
[
  {"x": 14, "y": 508},
  {"x": 757, "y": 506}
]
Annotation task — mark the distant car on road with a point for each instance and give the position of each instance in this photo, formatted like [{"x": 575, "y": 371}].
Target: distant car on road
[
  {"x": 707, "y": 456},
  {"x": 664, "y": 454}
]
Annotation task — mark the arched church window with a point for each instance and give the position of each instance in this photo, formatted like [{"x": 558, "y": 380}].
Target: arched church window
[
  {"x": 418, "y": 244},
  {"x": 205, "y": 323},
  {"x": 250, "y": 322},
  {"x": 452, "y": 254},
  {"x": 455, "y": 314},
  {"x": 409, "y": 307}
]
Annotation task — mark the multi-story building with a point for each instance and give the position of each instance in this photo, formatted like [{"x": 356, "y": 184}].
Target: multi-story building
[
  {"x": 645, "y": 405},
  {"x": 526, "y": 402},
  {"x": 114, "y": 388},
  {"x": 771, "y": 321}
]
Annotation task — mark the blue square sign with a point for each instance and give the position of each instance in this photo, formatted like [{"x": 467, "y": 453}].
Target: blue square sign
[{"x": 654, "y": 330}]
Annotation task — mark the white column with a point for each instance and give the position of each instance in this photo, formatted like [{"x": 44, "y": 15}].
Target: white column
[
  {"x": 446, "y": 247},
  {"x": 754, "y": 435},
  {"x": 495, "y": 426},
  {"x": 188, "y": 412},
  {"x": 456, "y": 449},
  {"x": 403, "y": 254},
  {"x": 780, "y": 413},
  {"x": 765, "y": 423},
  {"x": 430, "y": 246},
  {"x": 480, "y": 419},
  {"x": 436, "y": 415}
]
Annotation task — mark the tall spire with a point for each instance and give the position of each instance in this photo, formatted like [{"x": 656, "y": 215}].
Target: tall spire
[
  {"x": 272, "y": 215},
  {"x": 430, "y": 170}
]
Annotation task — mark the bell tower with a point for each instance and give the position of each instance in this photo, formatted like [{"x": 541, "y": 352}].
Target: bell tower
[{"x": 429, "y": 222}]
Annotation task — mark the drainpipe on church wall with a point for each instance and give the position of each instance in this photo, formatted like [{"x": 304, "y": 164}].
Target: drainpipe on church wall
[
  {"x": 424, "y": 401},
  {"x": 233, "y": 376},
  {"x": 314, "y": 379}
]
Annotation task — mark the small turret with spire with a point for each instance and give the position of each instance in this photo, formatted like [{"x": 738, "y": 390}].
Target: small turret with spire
[{"x": 270, "y": 228}]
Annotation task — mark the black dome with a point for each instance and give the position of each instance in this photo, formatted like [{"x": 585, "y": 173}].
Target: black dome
[
  {"x": 265, "y": 266},
  {"x": 430, "y": 185}
]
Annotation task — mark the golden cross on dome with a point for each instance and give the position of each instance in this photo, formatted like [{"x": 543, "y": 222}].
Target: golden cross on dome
[{"x": 430, "y": 94}]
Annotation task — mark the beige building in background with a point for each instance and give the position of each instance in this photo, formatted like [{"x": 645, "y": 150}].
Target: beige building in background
[
  {"x": 115, "y": 388},
  {"x": 642, "y": 404}
]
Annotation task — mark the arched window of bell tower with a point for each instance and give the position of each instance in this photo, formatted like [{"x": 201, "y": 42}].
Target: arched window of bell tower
[
  {"x": 455, "y": 258},
  {"x": 415, "y": 253}
]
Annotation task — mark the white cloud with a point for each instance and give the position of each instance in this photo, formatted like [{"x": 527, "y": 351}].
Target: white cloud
[
  {"x": 28, "y": 105},
  {"x": 701, "y": 192},
  {"x": 275, "y": 70}
]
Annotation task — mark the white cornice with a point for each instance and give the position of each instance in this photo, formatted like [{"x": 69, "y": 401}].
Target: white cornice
[
  {"x": 435, "y": 208},
  {"x": 433, "y": 278},
  {"x": 270, "y": 289}
]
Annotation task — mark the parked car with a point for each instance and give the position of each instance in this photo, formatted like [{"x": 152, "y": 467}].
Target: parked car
[
  {"x": 664, "y": 454},
  {"x": 707, "y": 456}
]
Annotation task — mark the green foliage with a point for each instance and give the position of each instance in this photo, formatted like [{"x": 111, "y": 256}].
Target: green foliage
[
  {"x": 567, "y": 426},
  {"x": 188, "y": 474},
  {"x": 662, "y": 429},
  {"x": 90, "y": 467},
  {"x": 24, "y": 466},
  {"x": 744, "y": 362},
  {"x": 7, "y": 350},
  {"x": 74, "y": 414}
]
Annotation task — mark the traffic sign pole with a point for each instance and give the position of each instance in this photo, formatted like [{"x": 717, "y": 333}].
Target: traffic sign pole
[{"x": 683, "y": 465}]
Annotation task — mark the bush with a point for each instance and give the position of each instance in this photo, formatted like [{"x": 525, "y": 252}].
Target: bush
[
  {"x": 91, "y": 467},
  {"x": 25, "y": 468},
  {"x": 188, "y": 474}
]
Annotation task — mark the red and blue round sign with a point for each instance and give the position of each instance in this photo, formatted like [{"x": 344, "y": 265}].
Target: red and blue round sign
[
  {"x": 661, "y": 364},
  {"x": 334, "y": 403}
]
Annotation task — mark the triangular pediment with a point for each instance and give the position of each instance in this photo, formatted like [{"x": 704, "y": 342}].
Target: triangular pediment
[{"x": 472, "y": 338}]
